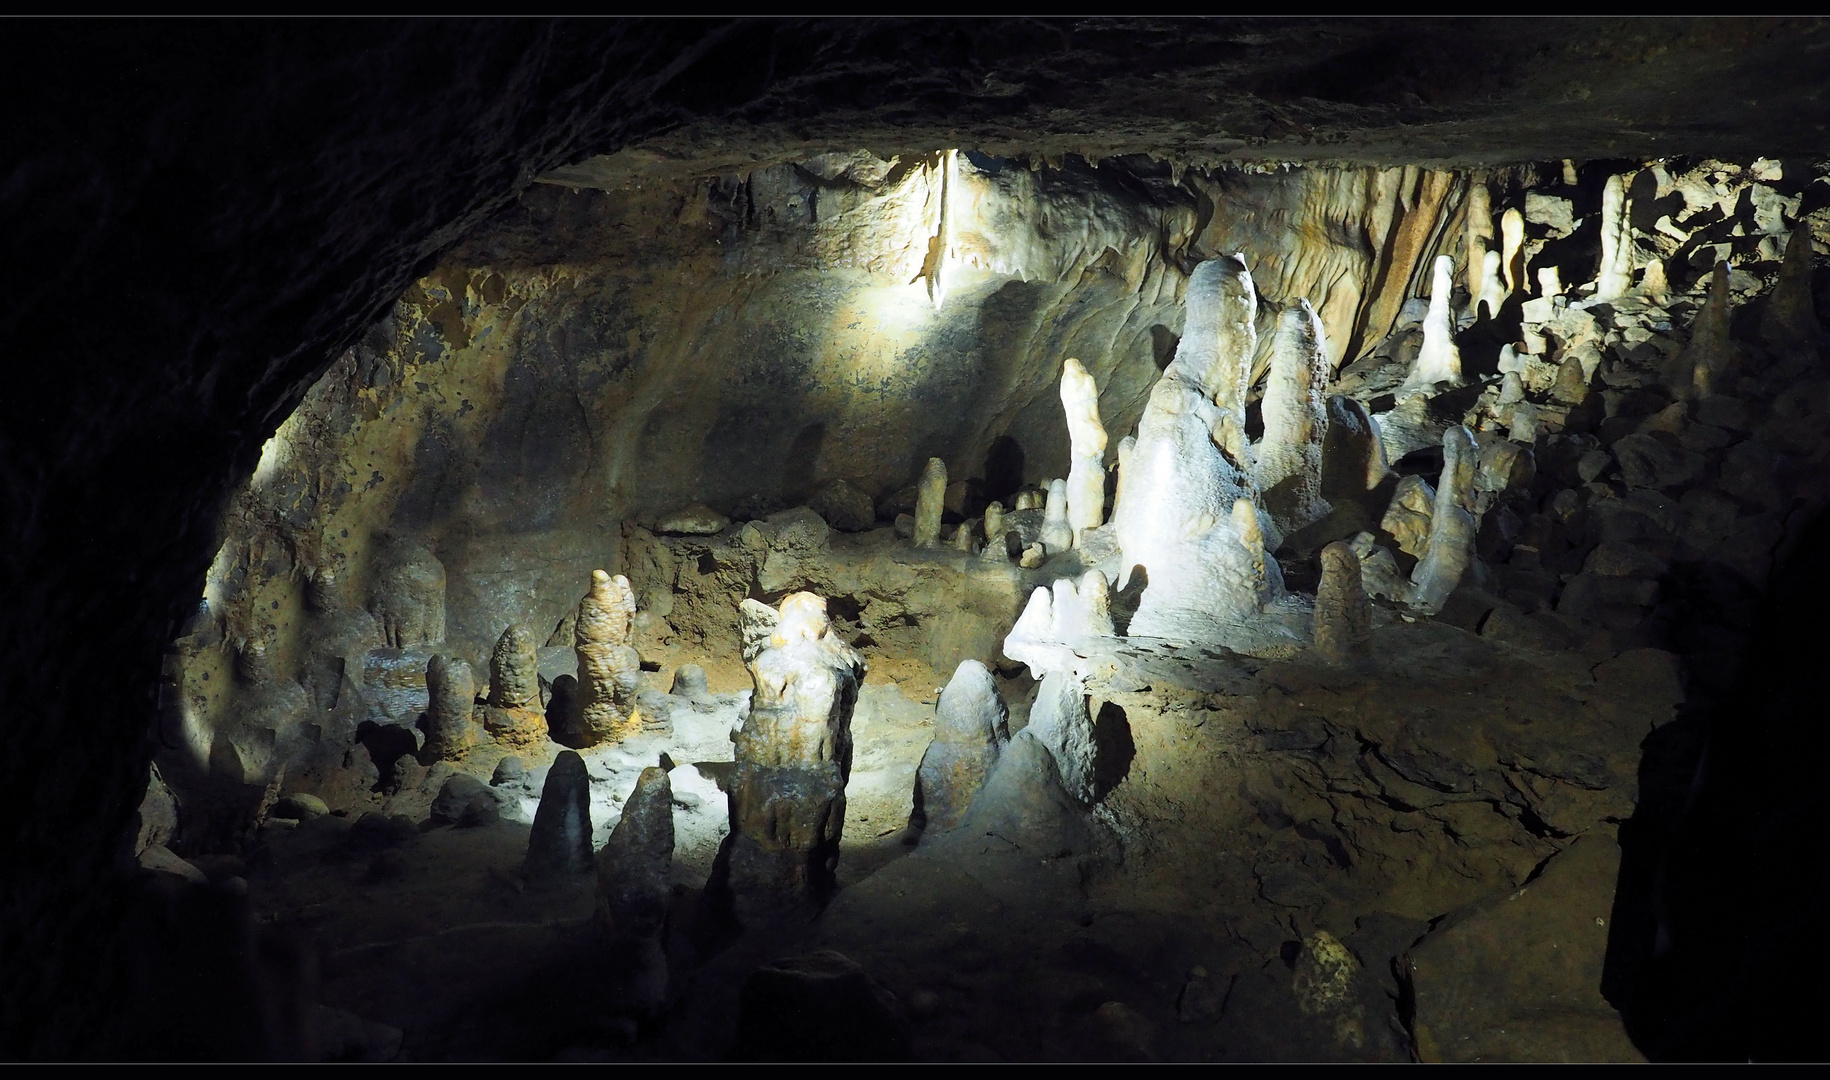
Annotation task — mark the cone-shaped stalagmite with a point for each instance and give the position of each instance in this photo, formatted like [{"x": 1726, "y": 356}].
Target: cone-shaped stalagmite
[
  {"x": 513, "y": 715},
  {"x": 1616, "y": 275},
  {"x": 793, "y": 757},
  {"x": 1451, "y": 544},
  {"x": 1057, "y": 534},
  {"x": 560, "y": 841},
  {"x": 1705, "y": 364},
  {"x": 1343, "y": 614},
  {"x": 1438, "y": 360},
  {"x": 970, "y": 727},
  {"x": 632, "y": 886},
  {"x": 1790, "y": 325},
  {"x": 930, "y": 500},
  {"x": 1086, "y": 479}
]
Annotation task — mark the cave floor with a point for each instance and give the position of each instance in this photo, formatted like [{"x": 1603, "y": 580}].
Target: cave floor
[{"x": 1267, "y": 808}]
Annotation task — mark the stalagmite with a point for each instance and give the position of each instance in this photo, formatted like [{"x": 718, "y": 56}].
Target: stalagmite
[
  {"x": 1095, "y": 604},
  {"x": 963, "y": 539},
  {"x": 1700, "y": 370},
  {"x": 1353, "y": 458},
  {"x": 1550, "y": 282},
  {"x": 1512, "y": 248},
  {"x": 513, "y": 715},
  {"x": 793, "y": 757},
  {"x": 1438, "y": 360},
  {"x": 1493, "y": 291},
  {"x": 560, "y": 841},
  {"x": 1295, "y": 410},
  {"x": 1790, "y": 324},
  {"x": 970, "y": 728},
  {"x": 1059, "y": 720},
  {"x": 1125, "y": 446},
  {"x": 1616, "y": 274},
  {"x": 1343, "y": 614},
  {"x": 1175, "y": 517},
  {"x": 1451, "y": 544},
  {"x": 609, "y": 668},
  {"x": 1086, "y": 479},
  {"x": 1057, "y": 534},
  {"x": 1479, "y": 238},
  {"x": 995, "y": 548},
  {"x": 632, "y": 886},
  {"x": 451, "y": 692},
  {"x": 1251, "y": 542},
  {"x": 930, "y": 500}
]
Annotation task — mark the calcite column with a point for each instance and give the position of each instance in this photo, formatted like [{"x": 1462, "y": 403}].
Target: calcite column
[
  {"x": 451, "y": 691},
  {"x": 930, "y": 500},
  {"x": 1343, "y": 614},
  {"x": 971, "y": 725},
  {"x": 1086, "y": 479},
  {"x": 1295, "y": 409},
  {"x": 609, "y": 668},
  {"x": 513, "y": 714},
  {"x": 793, "y": 758}
]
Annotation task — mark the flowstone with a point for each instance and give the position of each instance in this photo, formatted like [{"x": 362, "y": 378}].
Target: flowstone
[
  {"x": 793, "y": 757},
  {"x": 971, "y": 725}
]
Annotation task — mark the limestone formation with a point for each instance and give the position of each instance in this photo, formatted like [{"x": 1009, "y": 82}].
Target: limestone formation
[
  {"x": 1343, "y": 614},
  {"x": 1438, "y": 360},
  {"x": 689, "y": 683},
  {"x": 971, "y": 726},
  {"x": 758, "y": 622},
  {"x": 1125, "y": 446},
  {"x": 1086, "y": 479},
  {"x": 1790, "y": 325},
  {"x": 1289, "y": 456},
  {"x": 1493, "y": 291},
  {"x": 451, "y": 692},
  {"x": 1353, "y": 458},
  {"x": 1512, "y": 249},
  {"x": 1616, "y": 274},
  {"x": 1704, "y": 365},
  {"x": 560, "y": 842},
  {"x": 1175, "y": 516},
  {"x": 1407, "y": 516},
  {"x": 513, "y": 714},
  {"x": 1450, "y": 550},
  {"x": 1057, "y": 619},
  {"x": 1479, "y": 232},
  {"x": 930, "y": 500},
  {"x": 1057, "y": 533},
  {"x": 963, "y": 537},
  {"x": 632, "y": 886},
  {"x": 995, "y": 548},
  {"x": 1549, "y": 281},
  {"x": 1059, "y": 720},
  {"x": 609, "y": 668},
  {"x": 407, "y": 596},
  {"x": 695, "y": 520},
  {"x": 793, "y": 757}
]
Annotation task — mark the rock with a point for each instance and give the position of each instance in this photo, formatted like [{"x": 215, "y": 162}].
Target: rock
[
  {"x": 1343, "y": 614},
  {"x": 451, "y": 692},
  {"x": 844, "y": 507},
  {"x": 159, "y": 857},
  {"x": 1201, "y": 999},
  {"x": 560, "y": 842},
  {"x": 798, "y": 541},
  {"x": 1651, "y": 677},
  {"x": 380, "y": 832},
  {"x": 1646, "y": 462},
  {"x": 1033, "y": 556},
  {"x": 510, "y": 772},
  {"x": 1551, "y": 212},
  {"x": 632, "y": 869},
  {"x": 1592, "y": 464},
  {"x": 758, "y": 622},
  {"x": 971, "y": 725},
  {"x": 695, "y": 520},
  {"x": 1407, "y": 517},
  {"x": 300, "y": 806},
  {"x": 465, "y": 801},
  {"x": 689, "y": 682},
  {"x": 1720, "y": 410},
  {"x": 158, "y": 814},
  {"x": 820, "y": 1006},
  {"x": 905, "y": 526},
  {"x": 407, "y": 595},
  {"x": 1518, "y": 978},
  {"x": 1124, "y": 1032},
  {"x": 1624, "y": 560}
]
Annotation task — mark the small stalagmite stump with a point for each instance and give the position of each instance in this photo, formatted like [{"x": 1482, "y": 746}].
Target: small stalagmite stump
[
  {"x": 451, "y": 692},
  {"x": 1343, "y": 614}
]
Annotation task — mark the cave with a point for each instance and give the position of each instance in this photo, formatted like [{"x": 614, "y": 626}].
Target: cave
[{"x": 1055, "y": 540}]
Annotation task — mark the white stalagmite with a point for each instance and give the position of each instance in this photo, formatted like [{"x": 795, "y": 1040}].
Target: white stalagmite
[
  {"x": 930, "y": 500},
  {"x": 1289, "y": 458},
  {"x": 1512, "y": 248},
  {"x": 1438, "y": 360},
  {"x": 1057, "y": 534},
  {"x": 1175, "y": 515},
  {"x": 1550, "y": 282},
  {"x": 1450, "y": 549},
  {"x": 1086, "y": 479},
  {"x": 1493, "y": 290},
  {"x": 1479, "y": 235},
  {"x": 1616, "y": 274}
]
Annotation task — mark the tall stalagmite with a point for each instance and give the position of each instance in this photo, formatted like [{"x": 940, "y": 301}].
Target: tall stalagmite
[{"x": 1086, "y": 479}]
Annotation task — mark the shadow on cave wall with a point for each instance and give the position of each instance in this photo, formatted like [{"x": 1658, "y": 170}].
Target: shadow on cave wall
[{"x": 1716, "y": 949}]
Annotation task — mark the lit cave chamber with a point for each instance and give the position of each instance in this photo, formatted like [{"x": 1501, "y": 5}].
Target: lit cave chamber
[{"x": 863, "y": 599}]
